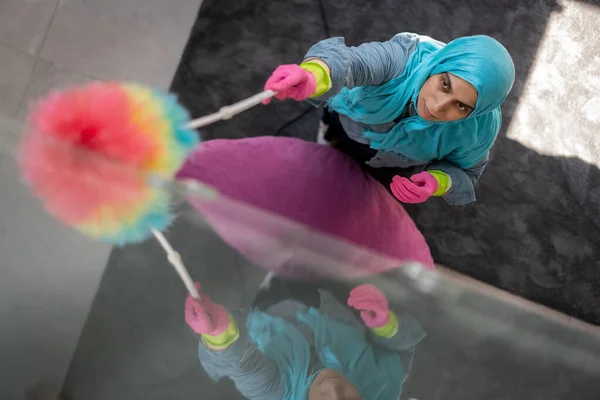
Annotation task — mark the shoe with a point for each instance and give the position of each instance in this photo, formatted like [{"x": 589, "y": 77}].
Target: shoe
[
  {"x": 321, "y": 134},
  {"x": 266, "y": 283}
]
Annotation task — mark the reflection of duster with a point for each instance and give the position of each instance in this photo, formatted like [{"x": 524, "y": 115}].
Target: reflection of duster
[{"x": 312, "y": 185}]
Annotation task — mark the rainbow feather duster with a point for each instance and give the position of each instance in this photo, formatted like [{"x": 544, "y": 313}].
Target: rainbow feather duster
[{"x": 91, "y": 153}]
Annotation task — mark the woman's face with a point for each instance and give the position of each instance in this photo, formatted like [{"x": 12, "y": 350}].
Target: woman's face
[
  {"x": 446, "y": 97},
  {"x": 331, "y": 385}
]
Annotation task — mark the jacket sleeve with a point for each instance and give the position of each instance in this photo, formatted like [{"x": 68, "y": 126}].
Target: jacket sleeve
[
  {"x": 409, "y": 334},
  {"x": 368, "y": 64},
  {"x": 255, "y": 376},
  {"x": 404, "y": 342}
]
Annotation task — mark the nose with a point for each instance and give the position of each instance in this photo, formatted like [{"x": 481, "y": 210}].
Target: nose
[{"x": 441, "y": 103}]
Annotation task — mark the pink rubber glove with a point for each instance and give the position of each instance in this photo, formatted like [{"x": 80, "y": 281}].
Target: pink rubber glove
[
  {"x": 372, "y": 303},
  {"x": 419, "y": 188},
  {"x": 204, "y": 316},
  {"x": 291, "y": 82}
]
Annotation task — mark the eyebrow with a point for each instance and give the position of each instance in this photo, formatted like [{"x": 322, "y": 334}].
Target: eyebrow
[{"x": 450, "y": 84}]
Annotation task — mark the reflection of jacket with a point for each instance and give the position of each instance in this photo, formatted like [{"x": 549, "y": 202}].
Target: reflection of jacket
[
  {"x": 375, "y": 64},
  {"x": 258, "y": 378}
]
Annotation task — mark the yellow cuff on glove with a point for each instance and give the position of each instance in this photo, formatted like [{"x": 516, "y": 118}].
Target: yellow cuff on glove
[
  {"x": 444, "y": 182},
  {"x": 321, "y": 76},
  {"x": 225, "y": 339},
  {"x": 390, "y": 329}
]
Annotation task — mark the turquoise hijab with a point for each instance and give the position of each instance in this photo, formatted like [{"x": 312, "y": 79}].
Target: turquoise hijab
[
  {"x": 479, "y": 60},
  {"x": 376, "y": 374}
]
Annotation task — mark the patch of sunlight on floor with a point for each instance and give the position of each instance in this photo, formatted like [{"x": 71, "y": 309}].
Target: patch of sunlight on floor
[{"x": 559, "y": 110}]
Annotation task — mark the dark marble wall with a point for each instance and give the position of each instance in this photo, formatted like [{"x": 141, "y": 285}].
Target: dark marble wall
[{"x": 535, "y": 230}]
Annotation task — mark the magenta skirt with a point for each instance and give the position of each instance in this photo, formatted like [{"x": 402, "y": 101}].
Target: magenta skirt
[{"x": 301, "y": 209}]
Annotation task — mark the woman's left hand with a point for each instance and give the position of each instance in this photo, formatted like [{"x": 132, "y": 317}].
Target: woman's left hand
[
  {"x": 418, "y": 189},
  {"x": 372, "y": 303}
]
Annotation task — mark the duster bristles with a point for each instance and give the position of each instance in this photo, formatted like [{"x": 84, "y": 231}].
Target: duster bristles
[{"x": 91, "y": 152}]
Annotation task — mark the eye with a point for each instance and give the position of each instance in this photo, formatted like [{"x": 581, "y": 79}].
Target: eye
[
  {"x": 445, "y": 84},
  {"x": 462, "y": 107}
]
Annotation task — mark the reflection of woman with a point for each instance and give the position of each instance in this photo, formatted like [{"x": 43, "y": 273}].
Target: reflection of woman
[
  {"x": 309, "y": 346},
  {"x": 409, "y": 102}
]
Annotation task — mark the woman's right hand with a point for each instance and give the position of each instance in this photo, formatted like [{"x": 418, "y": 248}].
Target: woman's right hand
[
  {"x": 204, "y": 316},
  {"x": 372, "y": 304},
  {"x": 291, "y": 82}
]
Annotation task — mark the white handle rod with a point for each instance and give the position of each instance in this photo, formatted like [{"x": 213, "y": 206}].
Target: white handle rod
[
  {"x": 231, "y": 110},
  {"x": 224, "y": 113},
  {"x": 175, "y": 260}
]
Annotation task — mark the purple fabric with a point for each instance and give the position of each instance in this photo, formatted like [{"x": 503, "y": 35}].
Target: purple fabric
[{"x": 306, "y": 183}]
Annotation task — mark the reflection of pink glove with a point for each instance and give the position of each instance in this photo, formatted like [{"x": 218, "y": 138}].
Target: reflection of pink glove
[
  {"x": 291, "y": 82},
  {"x": 419, "y": 188},
  {"x": 204, "y": 316},
  {"x": 372, "y": 303}
]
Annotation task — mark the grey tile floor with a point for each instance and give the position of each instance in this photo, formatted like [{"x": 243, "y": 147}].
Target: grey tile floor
[{"x": 48, "y": 273}]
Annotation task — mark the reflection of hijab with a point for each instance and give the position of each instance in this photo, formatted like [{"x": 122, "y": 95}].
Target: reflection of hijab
[
  {"x": 377, "y": 374},
  {"x": 479, "y": 60}
]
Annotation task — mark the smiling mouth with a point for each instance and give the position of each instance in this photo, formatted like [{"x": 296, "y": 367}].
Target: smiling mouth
[{"x": 427, "y": 112}]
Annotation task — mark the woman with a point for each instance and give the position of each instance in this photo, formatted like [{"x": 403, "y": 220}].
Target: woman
[
  {"x": 408, "y": 106},
  {"x": 302, "y": 343}
]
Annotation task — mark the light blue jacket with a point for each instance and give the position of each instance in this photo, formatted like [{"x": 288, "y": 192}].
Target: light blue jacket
[{"x": 374, "y": 64}]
